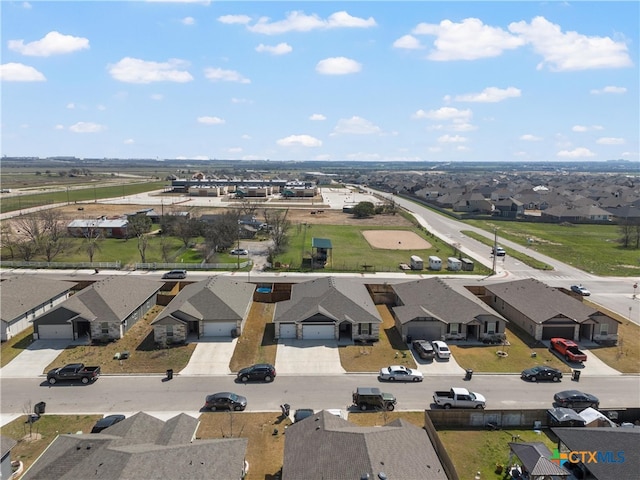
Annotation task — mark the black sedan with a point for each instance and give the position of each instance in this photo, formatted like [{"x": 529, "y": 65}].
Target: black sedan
[
  {"x": 541, "y": 372},
  {"x": 575, "y": 399},
  {"x": 106, "y": 422},
  {"x": 225, "y": 401}
]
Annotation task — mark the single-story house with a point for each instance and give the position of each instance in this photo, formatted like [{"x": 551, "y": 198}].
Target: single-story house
[
  {"x": 103, "y": 311},
  {"x": 327, "y": 446},
  {"x": 536, "y": 462},
  {"x": 141, "y": 447},
  {"x": 615, "y": 448},
  {"x": 545, "y": 312},
  {"x": 25, "y": 297},
  {"x": 6, "y": 444},
  {"x": 328, "y": 308},
  {"x": 215, "y": 307},
  {"x": 101, "y": 227},
  {"x": 441, "y": 309}
]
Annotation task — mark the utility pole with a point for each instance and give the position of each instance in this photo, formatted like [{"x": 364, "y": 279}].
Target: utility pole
[{"x": 495, "y": 250}]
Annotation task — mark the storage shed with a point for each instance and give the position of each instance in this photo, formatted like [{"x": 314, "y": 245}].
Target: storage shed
[
  {"x": 467, "y": 264},
  {"x": 454, "y": 264},
  {"x": 435, "y": 263}
]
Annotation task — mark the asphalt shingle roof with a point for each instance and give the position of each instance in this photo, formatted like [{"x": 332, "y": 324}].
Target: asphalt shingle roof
[{"x": 22, "y": 293}]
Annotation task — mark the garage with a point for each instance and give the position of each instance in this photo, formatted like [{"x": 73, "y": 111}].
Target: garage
[
  {"x": 55, "y": 332},
  {"x": 287, "y": 330},
  {"x": 318, "y": 332},
  {"x": 558, "y": 332},
  {"x": 424, "y": 330},
  {"x": 219, "y": 329}
]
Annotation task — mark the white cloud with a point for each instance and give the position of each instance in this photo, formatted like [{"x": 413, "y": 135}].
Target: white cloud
[
  {"x": 26, "y": 5},
  {"x": 490, "y": 95},
  {"x": 19, "y": 72},
  {"x": 87, "y": 127},
  {"x": 570, "y": 51},
  {"x": 71, "y": 106},
  {"x": 408, "y": 42},
  {"x": 234, "y": 19},
  {"x": 188, "y": 21},
  {"x": 218, "y": 74},
  {"x": 609, "y": 89},
  {"x": 580, "y": 152},
  {"x": 101, "y": 107},
  {"x": 338, "y": 66},
  {"x": 53, "y": 43},
  {"x": 317, "y": 117},
  {"x": 463, "y": 148},
  {"x": 468, "y": 40},
  {"x": 298, "y": 21},
  {"x": 129, "y": 141},
  {"x": 434, "y": 149},
  {"x": 299, "y": 140},
  {"x": 610, "y": 141},
  {"x": 584, "y": 128},
  {"x": 419, "y": 114},
  {"x": 527, "y": 137},
  {"x": 458, "y": 126},
  {"x": 211, "y": 120},
  {"x": 280, "y": 49},
  {"x": 356, "y": 126},
  {"x": 246, "y": 137},
  {"x": 134, "y": 70},
  {"x": 157, "y": 96},
  {"x": 240, "y": 100},
  {"x": 452, "y": 139},
  {"x": 58, "y": 127},
  {"x": 446, "y": 113}
]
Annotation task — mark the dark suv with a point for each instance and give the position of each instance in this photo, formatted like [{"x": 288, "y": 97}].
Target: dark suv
[
  {"x": 424, "y": 349},
  {"x": 261, "y": 371}
]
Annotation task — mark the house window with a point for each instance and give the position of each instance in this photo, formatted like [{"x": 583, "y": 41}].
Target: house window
[
  {"x": 104, "y": 326},
  {"x": 604, "y": 329},
  {"x": 491, "y": 328},
  {"x": 364, "y": 329},
  {"x": 454, "y": 328},
  {"x": 169, "y": 330}
]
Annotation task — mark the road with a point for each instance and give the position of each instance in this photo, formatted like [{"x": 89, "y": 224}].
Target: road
[{"x": 126, "y": 394}]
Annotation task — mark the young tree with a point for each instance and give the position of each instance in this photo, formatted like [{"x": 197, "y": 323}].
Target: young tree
[
  {"x": 54, "y": 238},
  {"x": 278, "y": 225},
  {"x": 91, "y": 246},
  {"x": 165, "y": 249},
  {"x": 143, "y": 243},
  {"x": 222, "y": 233},
  {"x": 7, "y": 239},
  {"x": 363, "y": 210}
]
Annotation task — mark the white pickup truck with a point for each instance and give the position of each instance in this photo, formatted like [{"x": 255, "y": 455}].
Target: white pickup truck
[{"x": 459, "y": 398}]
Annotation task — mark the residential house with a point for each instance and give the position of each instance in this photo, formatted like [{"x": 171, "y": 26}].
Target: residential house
[
  {"x": 563, "y": 213},
  {"x": 26, "y": 297},
  {"x": 473, "y": 202},
  {"x": 545, "y": 312},
  {"x": 509, "y": 208},
  {"x": 615, "y": 448},
  {"x": 142, "y": 447},
  {"x": 441, "y": 309},
  {"x": 328, "y": 308},
  {"x": 535, "y": 459},
  {"x": 329, "y": 447},
  {"x": 6, "y": 444},
  {"x": 215, "y": 307},
  {"x": 103, "y": 311},
  {"x": 101, "y": 227}
]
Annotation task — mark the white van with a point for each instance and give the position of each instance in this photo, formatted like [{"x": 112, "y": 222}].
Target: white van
[{"x": 441, "y": 349}]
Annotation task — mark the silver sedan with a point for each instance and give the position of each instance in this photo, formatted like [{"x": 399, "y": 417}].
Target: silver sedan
[{"x": 400, "y": 373}]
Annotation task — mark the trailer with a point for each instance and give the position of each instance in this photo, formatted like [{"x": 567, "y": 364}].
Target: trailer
[
  {"x": 435, "y": 263},
  {"x": 416, "y": 263},
  {"x": 454, "y": 264}
]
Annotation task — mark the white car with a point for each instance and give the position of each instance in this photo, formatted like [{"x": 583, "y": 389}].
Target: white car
[
  {"x": 400, "y": 373},
  {"x": 239, "y": 251},
  {"x": 441, "y": 349}
]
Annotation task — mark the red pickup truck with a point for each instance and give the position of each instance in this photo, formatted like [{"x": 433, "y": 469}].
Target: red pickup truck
[{"x": 569, "y": 349}]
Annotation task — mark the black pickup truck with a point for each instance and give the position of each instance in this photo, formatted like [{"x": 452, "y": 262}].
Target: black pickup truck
[{"x": 73, "y": 371}]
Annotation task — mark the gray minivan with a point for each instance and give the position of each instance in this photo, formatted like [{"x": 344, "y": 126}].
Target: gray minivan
[{"x": 175, "y": 274}]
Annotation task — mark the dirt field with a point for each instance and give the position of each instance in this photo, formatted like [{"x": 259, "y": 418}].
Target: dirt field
[{"x": 395, "y": 240}]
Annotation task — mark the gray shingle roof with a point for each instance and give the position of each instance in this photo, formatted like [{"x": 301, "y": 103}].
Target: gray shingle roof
[
  {"x": 535, "y": 457},
  {"x": 22, "y": 293},
  {"x": 336, "y": 298},
  {"x": 540, "y": 302},
  {"x": 105, "y": 456},
  {"x": 328, "y": 447},
  {"x": 216, "y": 298},
  {"x": 446, "y": 300},
  {"x": 6, "y": 444}
]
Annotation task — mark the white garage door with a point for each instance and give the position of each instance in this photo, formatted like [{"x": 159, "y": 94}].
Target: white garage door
[
  {"x": 60, "y": 332},
  {"x": 287, "y": 330},
  {"x": 318, "y": 332},
  {"x": 218, "y": 329}
]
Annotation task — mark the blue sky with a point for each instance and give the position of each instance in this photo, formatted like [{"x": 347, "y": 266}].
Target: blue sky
[{"x": 379, "y": 81}]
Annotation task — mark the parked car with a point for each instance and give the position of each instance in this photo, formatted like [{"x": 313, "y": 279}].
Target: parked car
[
  {"x": 225, "y": 401},
  {"x": 401, "y": 374},
  {"x": 459, "y": 398},
  {"x": 568, "y": 349},
  {"x": 106, "y": 422},
  {"x": 261, "y": 371},
  {"x": 441, "y": 349},
  {"x": 541, "y": 372},
  {"x": 575, "y": 399},
  {"x": 371, "y": 398},
  {"x": 302, "y": 413},
  {"x": 580, "y": 290},
  {"x": 239, "y": 251},
  {"x": 74, "y": 371},
  {"x": 175, "y": 274},
  {"x": 424, "y": 349},
  {"x": 499, "y": 251}
]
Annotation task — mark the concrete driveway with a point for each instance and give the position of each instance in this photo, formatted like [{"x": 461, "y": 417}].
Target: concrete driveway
[
  {"x": 211, "y": 357},
  {"x": 439, "y": 367},
  {"x": 593, "y": 366},
  {"x": 35, "y": 358},
  {"x": 308, "y": 357}
]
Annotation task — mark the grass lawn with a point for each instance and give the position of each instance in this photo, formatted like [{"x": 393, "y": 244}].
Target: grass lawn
[
  {"x": 592, "y": 248},
  {"x": 389, "y": 350},
  {"x": 256, "y": 343},
  {"x": 32, "y": 443},
  {"x": 526, "y": 259},
  {"x": 145, "y": 356},
  {"x": 15, "y": 346}
]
